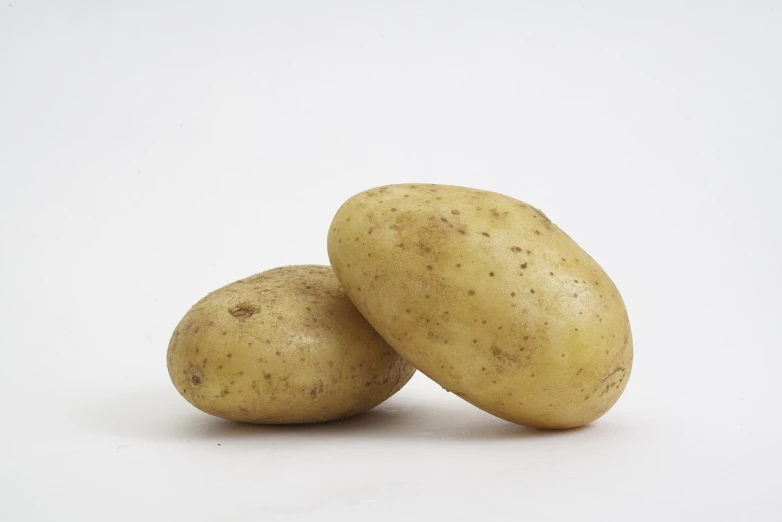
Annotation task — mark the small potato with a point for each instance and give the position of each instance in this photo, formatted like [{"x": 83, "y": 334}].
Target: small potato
[
  {"x": 485, "y": 295},
  {"x": 284, "y": 346}
]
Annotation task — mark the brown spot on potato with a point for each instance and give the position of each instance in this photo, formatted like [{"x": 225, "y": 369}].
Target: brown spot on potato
[
  {"x": 515, "y": 249},
  {"x": 243, "y": 311},
  {"x": 470, "y": 292},
  {"x": 497, "y": 353}
]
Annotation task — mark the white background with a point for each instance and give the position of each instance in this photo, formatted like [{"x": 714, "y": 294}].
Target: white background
[{"x": 153, "y": 151}]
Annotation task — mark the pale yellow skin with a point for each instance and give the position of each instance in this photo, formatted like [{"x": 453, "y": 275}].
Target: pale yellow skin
[
  {"x": 485, "y": 295},
  {"x": 283, "y": 346}
]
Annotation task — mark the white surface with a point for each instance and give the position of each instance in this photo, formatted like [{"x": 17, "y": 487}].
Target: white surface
[{"x": 152, "y": 152}]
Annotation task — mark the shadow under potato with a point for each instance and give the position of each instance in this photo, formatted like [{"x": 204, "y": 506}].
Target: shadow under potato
[
  {"x": 385, "y": 421},
  {"x": 164, "y": 416}
]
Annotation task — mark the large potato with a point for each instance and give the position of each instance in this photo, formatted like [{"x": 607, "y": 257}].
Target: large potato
[
  {"x": 283, "y": 346},
  {"x": 485, "y": 295}
]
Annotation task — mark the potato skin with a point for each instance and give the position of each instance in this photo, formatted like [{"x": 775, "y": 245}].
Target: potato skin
[
  {"x": 283, "y": 346},
  {"x": 486, "y": 296}
]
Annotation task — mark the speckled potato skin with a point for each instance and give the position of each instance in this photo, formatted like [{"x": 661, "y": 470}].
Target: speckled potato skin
[
  {"x": 280, "y": 347},
  {"x": 485, "y": 295}
]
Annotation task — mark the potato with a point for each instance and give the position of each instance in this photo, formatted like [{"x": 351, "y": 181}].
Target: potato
[
  {"x": 283, "y": 346},
  {"x": 485, "y": 295}
]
